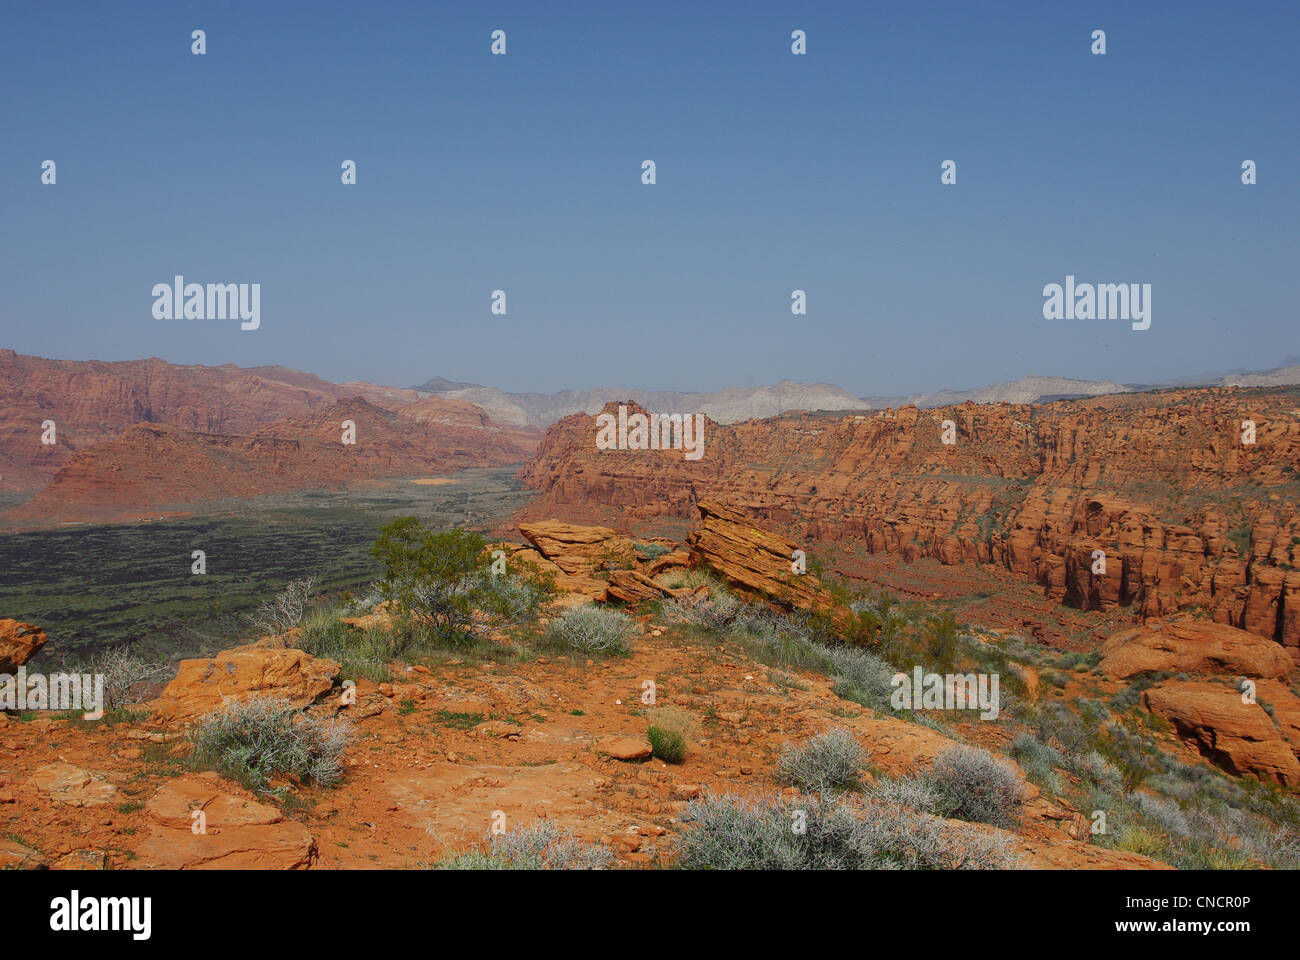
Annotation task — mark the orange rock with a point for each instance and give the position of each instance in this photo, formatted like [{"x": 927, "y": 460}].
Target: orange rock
[
  {"x": 241, "y": 834},
  {"x": 18, "y": 643},
  {"x": 624, "y": 748},
  {"x": 1239, "y": 737},
  {"x": 202, "y": 686},
  {"x": 1186, "y": 646},
  {"x": 752, "y": 558},
  {"x": 632, "y": 586}
]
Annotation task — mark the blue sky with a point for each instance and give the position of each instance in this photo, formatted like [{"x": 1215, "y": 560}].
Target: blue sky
[{"x": 775, "y": 172}]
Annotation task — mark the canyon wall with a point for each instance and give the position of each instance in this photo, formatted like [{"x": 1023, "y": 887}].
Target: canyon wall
[{"x": 1186, "y": 515}]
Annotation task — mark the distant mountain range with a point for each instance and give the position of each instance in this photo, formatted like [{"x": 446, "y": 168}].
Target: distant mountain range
[
  {"x": 733, "y": 404},
  {"x": 728, "y": 405}
]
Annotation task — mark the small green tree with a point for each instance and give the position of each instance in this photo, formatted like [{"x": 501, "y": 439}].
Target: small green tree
[{"x": 431, "y": 578}]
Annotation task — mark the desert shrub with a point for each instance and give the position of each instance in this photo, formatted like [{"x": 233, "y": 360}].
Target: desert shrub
[
  {"x": 651, "y": 551},
  {"x": 689, "y": 578},
  {"x": 1135, "y": 838},
  {"x": 592, "y": 630},
  {"x": 775, "y": 639},
  {"x": 830, "y": 761},
  {"x": 1133, "y": 755},
  {"x": 1126, "y": 699},
  {"x": 669, "y": 745},
  {"x": 1094, "y": 769},
  {"x": 542, "y": 845},
  {"x": 253, "y": 741},
  {"x": 941, "y": 642},
  {"x": 861, "y": 676},
  {"x": 126, "y": 675},
  {"x": 1038, "y": 760},
  {"x": 432, "y": 580},
  {"x": 285, "y": 610},
  {"x": 513, "y": 598},
  {"x": 360, "y": 653},
  {"x": 674, "y": 719},
  {"x": 1164, "y": 813},
  {"x": 817, "y": 833},
  {"x": 359, "y": 605},
  {"x": 914, "y": 792},
  {"x": 977, "y": 786},
  {"x": 714, "y": 612},
  {"x": 1055, "y": 722}
]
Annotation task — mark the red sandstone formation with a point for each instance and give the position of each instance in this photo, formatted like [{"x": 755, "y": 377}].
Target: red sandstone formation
[
  {"x": 1186, "y": 515},
  {"x": 154, "y": 469},
  {"x": 91, "y": 402}
]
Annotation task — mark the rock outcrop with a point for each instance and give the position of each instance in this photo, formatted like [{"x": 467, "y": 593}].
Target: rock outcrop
[
  {"x": 1189, "y": 646},
  {"x": 1236, "y": 735},
  {"x": 754, "y": 559},
  {"x": 19, "y": 642},
  {"x": 204, "y": 685}
]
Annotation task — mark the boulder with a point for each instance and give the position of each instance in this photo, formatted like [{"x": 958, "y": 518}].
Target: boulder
[
  {"x": 624, "y": 748},
  {"x": 1238, "y": 737},
  {"x": 575, "y": 549},
  {"x": 1186, "y": 646},
  {"x": 753, "y": 559},
  {"x": 202, "y": 686},
  {"x": 632, "y": 586},
  {"x": 18, "y": 643}
]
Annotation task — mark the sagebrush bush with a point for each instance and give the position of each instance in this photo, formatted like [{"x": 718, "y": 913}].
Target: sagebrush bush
[
  {"x": 914, "y": 792},
  {"x": 669, "y": 745},
  {"x": 1164, "y": 813},
  {"x": 1038, "y": 760},
  {"x": 539, "y": 846},
  {"x": 512, "y": 598},
  {"x": 977, "y": 786},
  {"x": 830, "y": 761},
  {"x": 776, "y": 639},
  {"x": 253, "y": 741},
  {"x": 714, "y": 612},
  {"x": 728, "y": 832},
  {"x": 593, "y": 630}
]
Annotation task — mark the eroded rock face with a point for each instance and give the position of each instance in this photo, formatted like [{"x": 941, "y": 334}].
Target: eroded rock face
[
  {"x": 1237, "y": 736},
  {"x": 202, "y": 686},
  {"x": 19, "y": 642},
  {"x": 1192, "y": 647},
  {"x": 576, "y": 553},
  {"x": 1036, "y": 489},
  {"x": 752, "y": 558}
]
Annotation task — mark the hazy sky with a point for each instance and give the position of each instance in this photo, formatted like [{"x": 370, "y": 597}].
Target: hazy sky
[{"x": 775, "y": 172}]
